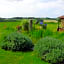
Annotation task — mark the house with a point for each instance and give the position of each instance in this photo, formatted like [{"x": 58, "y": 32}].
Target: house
[{"x": 62, "y": 21}]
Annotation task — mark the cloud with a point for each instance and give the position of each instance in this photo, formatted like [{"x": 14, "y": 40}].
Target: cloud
[
  {"x": 36, "y": 8},
  {"x": 14, "y": 0}
]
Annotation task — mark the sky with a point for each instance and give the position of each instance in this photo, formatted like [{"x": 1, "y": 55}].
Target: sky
[{"x": 31, "y": 8}]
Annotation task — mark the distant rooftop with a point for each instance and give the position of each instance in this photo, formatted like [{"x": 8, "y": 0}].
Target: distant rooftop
[{"x": 61, "y": 17}]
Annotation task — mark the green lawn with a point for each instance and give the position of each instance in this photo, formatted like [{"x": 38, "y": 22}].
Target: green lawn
[{"x": 9, "y": 57}]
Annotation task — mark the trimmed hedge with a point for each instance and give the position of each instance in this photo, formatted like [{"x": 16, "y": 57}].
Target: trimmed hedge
[
  {"x": 51, "y": 50},
  {"x": 17, "y": 42}
]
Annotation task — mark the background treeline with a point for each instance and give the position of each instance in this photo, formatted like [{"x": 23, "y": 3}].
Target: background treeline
[
  {"x": 16, "y": 19},
  {"x": 9, "y": 20}
]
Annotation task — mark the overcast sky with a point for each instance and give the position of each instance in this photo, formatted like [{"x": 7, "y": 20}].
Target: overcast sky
[{"x": 31, "y": 8}]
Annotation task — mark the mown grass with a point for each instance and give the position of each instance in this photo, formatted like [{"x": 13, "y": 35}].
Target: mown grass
[{"x": 9, "y": 57}]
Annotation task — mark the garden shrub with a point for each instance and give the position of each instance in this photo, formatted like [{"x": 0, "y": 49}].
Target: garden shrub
[
  {"x": 19, "y": 28},
  {"x": 44, "y": 26},
  {"x": 17, "y": 42},
  {"x": 51, "y": 50},
  {"x": 25, "y": 25}
]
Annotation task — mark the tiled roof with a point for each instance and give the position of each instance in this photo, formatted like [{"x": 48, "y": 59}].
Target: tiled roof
[{"x": 61, "y": 17}]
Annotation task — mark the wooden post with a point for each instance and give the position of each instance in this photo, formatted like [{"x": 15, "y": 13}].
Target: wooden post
[{"x": 59, "y": 20}]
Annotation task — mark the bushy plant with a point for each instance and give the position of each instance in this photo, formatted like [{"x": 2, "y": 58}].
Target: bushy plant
[
  {"x": 25, "y": 25},
  {"x": 17, "y": 42},
  {"x": 50, "y": 50},
  {"x": 44, "y": 26}
]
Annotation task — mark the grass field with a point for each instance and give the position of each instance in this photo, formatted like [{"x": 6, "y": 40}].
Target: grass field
[{"x": 9, "y": 57}]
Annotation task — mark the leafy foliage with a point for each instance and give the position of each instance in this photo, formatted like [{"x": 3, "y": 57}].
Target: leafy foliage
[
  {"x": 25, "y": 25},
  {"x": 58, "y": 19},
  {"x": 36, "y": 34},
  {"x": 44, "y": 26},
  {"x": 50, "y": 50},
  {"x": 17, "y": 42},
  {"x": 48, "y": 32}
]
